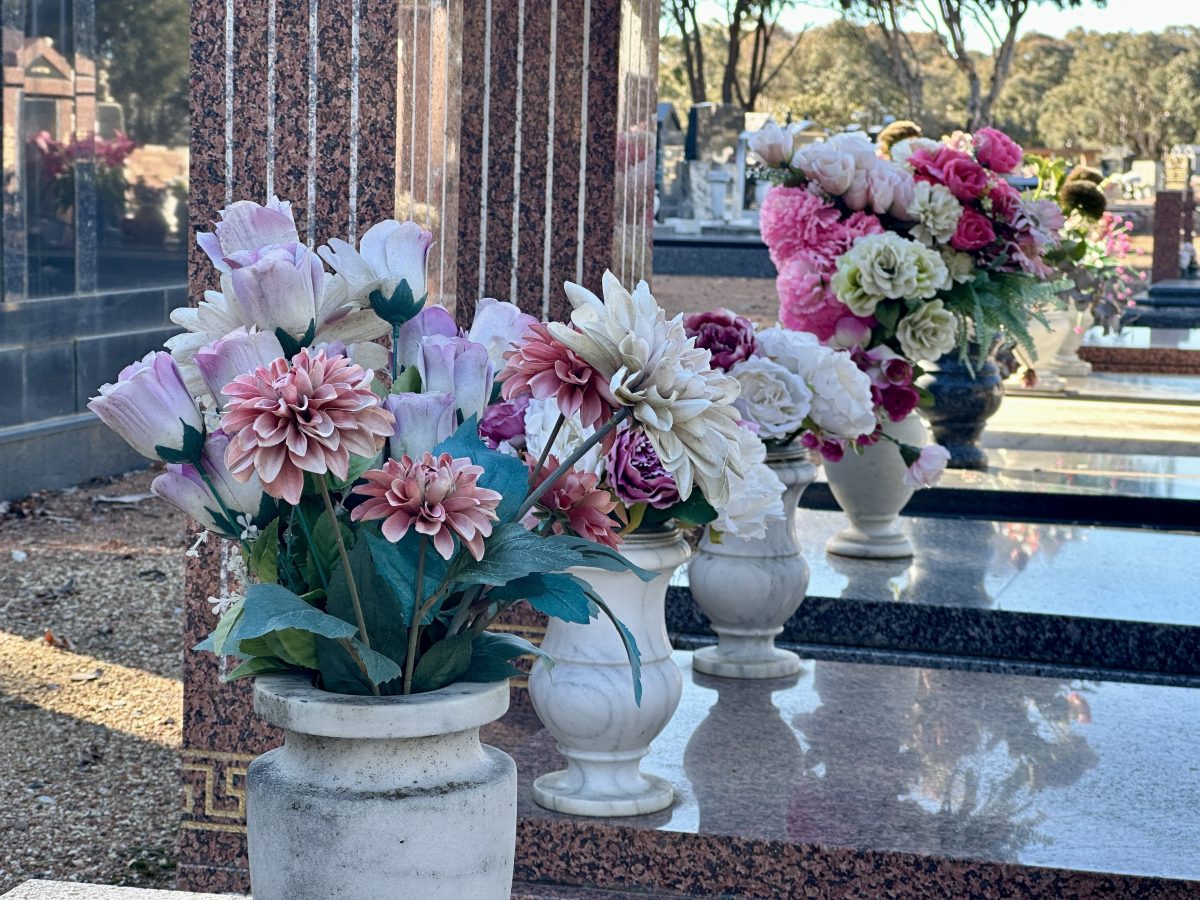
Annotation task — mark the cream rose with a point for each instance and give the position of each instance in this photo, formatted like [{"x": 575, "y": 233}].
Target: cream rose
[
  {"x": 928, "y": 332},
  {"x": 842, "y": 404},
  {"x": 776, "y": 400}
]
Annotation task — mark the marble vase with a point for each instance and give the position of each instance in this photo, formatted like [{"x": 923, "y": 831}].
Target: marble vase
[
  {"x": 870, "y": 489},
  {"x": 586, "y": 698},
  {"x": 963, "y": 400},
  {"x": 1047, "y": 342},
  {"x": 1067, "y": 363},
  {"x": 749, "y": 588},
  {"x": 381, "y": 797}
]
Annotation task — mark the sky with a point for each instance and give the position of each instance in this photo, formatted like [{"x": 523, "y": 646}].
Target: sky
[{"x": 1117, "y": 15}]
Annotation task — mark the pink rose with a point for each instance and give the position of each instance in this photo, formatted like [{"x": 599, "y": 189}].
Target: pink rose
[
  {"x": 997, "y": 150},
  {"x": 930, "y": 165},
  {"x": 966, "y": 178},
  {"x": 974, "y": 232},
  {"x": 928, "y": 468},
  {"x": 898, "y": 400}
]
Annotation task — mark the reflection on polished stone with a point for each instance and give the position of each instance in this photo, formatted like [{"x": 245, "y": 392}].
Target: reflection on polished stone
[
  {"x": 961, "y": 765},
  {"x": 744, "y": 716}
]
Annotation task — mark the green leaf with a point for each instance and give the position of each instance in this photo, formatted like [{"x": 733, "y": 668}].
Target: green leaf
[
  {"x": 264, "y": 554},
  {"x": 271, "y": 607},
  {"x": 259, "y": 665},
  {"x": 190, "y": 452},
  {"x": 220, "y": 634},
  {"x": 358, "y": 465},
  {"x": 445, "y": 662},
  {"x": 380, "y": 669},
  {"x": 887, "y": 314},
  {"x": 631, "y": 648},
  {"x": 512, "y": 552},
  {"x": 290, "y": 345},
  {"x": 396, "y": 564},
  {"x": 504, "y": 474},
  {"x": 382, "y": 606},
  {"x": 323, "y": 550},
  {"x": 491, "y": 653},
  {"x": 562, "y": 596},
  {"x": 600, "y": 556},
  {"x": 299, "y": 648},
  {"x": 407, "y": 382}
]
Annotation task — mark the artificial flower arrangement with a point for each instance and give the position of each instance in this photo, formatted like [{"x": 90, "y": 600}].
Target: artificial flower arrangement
[
  {"x": 794, "y": 388},
  {"x": 925, "y": 252},
  {"x": 683, "y": 456},
  {"x": 379, "y": 534},
  {"x": 1095, "y": 242}
]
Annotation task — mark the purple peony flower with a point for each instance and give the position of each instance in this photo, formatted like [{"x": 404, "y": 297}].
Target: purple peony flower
[
  {"x": 505, "y": 422},
  {"x": 726, "y": 335},
  {"x": 636, "y": 474}
]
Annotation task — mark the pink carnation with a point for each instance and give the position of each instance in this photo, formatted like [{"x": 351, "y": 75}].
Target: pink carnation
[
  {"x": 805, "y": 302},
  {"x": 860, "y": 224},
  {"x": 577, "y": 500},
  {"x": 545, "y": 368},
  {"x": 794, "y": 221},
  {"x": 997, "y": 150},
  {"x": 306, "y": 416},
  {"x": 437, "y": 497}
]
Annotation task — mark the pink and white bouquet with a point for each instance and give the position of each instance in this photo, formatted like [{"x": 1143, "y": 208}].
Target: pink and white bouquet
[
  {"x": 685, "y": 457},
  {"x": 923, "y": 253},
  {"x": 794, "y": 388},
  {"x": 379, "y": 533}
]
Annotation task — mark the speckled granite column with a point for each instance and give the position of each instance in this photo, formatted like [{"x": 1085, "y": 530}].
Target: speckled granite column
[
  {"x": 344, "y": 108},
  {"x": 565, "y": 182}
]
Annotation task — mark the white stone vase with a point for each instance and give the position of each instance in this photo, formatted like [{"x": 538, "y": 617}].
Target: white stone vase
[
  {"x": 1047, "y": 343},
  {"x": 586, "y": 698},
  {"x": 1067, "y": 363},
  {"x": 391, "y": 797},
  {"x": 870, "y": 489},
  {"x": 750, "y": 588}
]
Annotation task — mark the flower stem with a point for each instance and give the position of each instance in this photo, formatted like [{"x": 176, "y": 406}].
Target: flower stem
[
  {"x": 212, "y": 489},
  {"x": 395, "y": 350},
  {"x": 562, "y": 420},
  {"x": 414, "y": 629},
  {"x": 565, "y": 466},
  {"x": 341, "y": 545},
  {"x": 312, "y": 547}
]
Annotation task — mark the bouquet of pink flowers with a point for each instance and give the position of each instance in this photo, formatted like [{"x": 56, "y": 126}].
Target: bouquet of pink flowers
[
  {"x": 379, "y": 534},
  {"x": 552, "y": 399},
  {"x": 923, "y": 253}
]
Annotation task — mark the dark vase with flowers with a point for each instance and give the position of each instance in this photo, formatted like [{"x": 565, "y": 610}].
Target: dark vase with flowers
[{"x": 964, "y": 398}]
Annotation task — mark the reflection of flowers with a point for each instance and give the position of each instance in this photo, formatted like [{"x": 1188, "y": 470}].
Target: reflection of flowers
[{"x": 55, "y": 163}]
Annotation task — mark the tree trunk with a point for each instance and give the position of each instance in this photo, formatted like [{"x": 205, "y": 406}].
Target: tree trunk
[{"x": 733, "y": 51}]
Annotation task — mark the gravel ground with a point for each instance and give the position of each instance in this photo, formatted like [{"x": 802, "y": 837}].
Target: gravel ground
[{"x": 90, "y": 685}]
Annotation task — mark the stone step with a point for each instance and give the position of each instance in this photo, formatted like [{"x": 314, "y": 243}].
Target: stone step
[
  {"x": 859, "y": 781},
  {"x": 996, "y": 594}
]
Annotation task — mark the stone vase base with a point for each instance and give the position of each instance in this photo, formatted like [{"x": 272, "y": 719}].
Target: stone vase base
[
  {"x": 1072, "y": 368},
  {"x": 746, "y": 656},
  {"x": 859, "y": 544},
  {"x": 602, "y": 785}
]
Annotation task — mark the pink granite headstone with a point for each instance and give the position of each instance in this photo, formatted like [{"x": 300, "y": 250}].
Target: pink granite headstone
[{"x": 533, "y": 166}]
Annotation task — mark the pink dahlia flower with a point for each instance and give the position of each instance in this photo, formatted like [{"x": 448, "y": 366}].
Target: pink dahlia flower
[
  {"x": 578, "y": 499},
  {"x": 307, "y": 416},
  {"x": 794, "y": 221},
  {"x": 548, "y": 370},
  {"x": 438, "y": 497}
]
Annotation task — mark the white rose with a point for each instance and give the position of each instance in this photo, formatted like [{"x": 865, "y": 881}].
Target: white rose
[
  {"x": 842, "y": 404},
  {"x": 755, "y": 498},
  {"x": 857, "y": 144},
  {"x": 856, "y": 195},
  {"x": 791, "y": 349},
  {"x": 771, "y": 144},
  {"x": 830, "y": 169},
  {"x": 929, "y": 332},
  {"x": 773, "y": 398},
  {"x": 540, "y": 419}
]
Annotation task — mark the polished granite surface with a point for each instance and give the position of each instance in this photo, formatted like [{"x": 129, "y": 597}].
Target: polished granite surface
[
  {"x": 1105, "y": 573},
  {"x": 1091, "y": 776},
  {"x": 1140, "y": 337},
  {"x": 1066, "y": 472}
]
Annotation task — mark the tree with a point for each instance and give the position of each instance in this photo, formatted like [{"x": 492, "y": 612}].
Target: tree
[
  {"x": 682, "y": 14},
  {"x": 950, "y": 20},
  {"x": 1040, "y": 63}
]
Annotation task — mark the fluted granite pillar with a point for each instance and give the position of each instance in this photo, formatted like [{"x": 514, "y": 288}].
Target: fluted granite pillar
[{"x": 519, "y": 131}]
